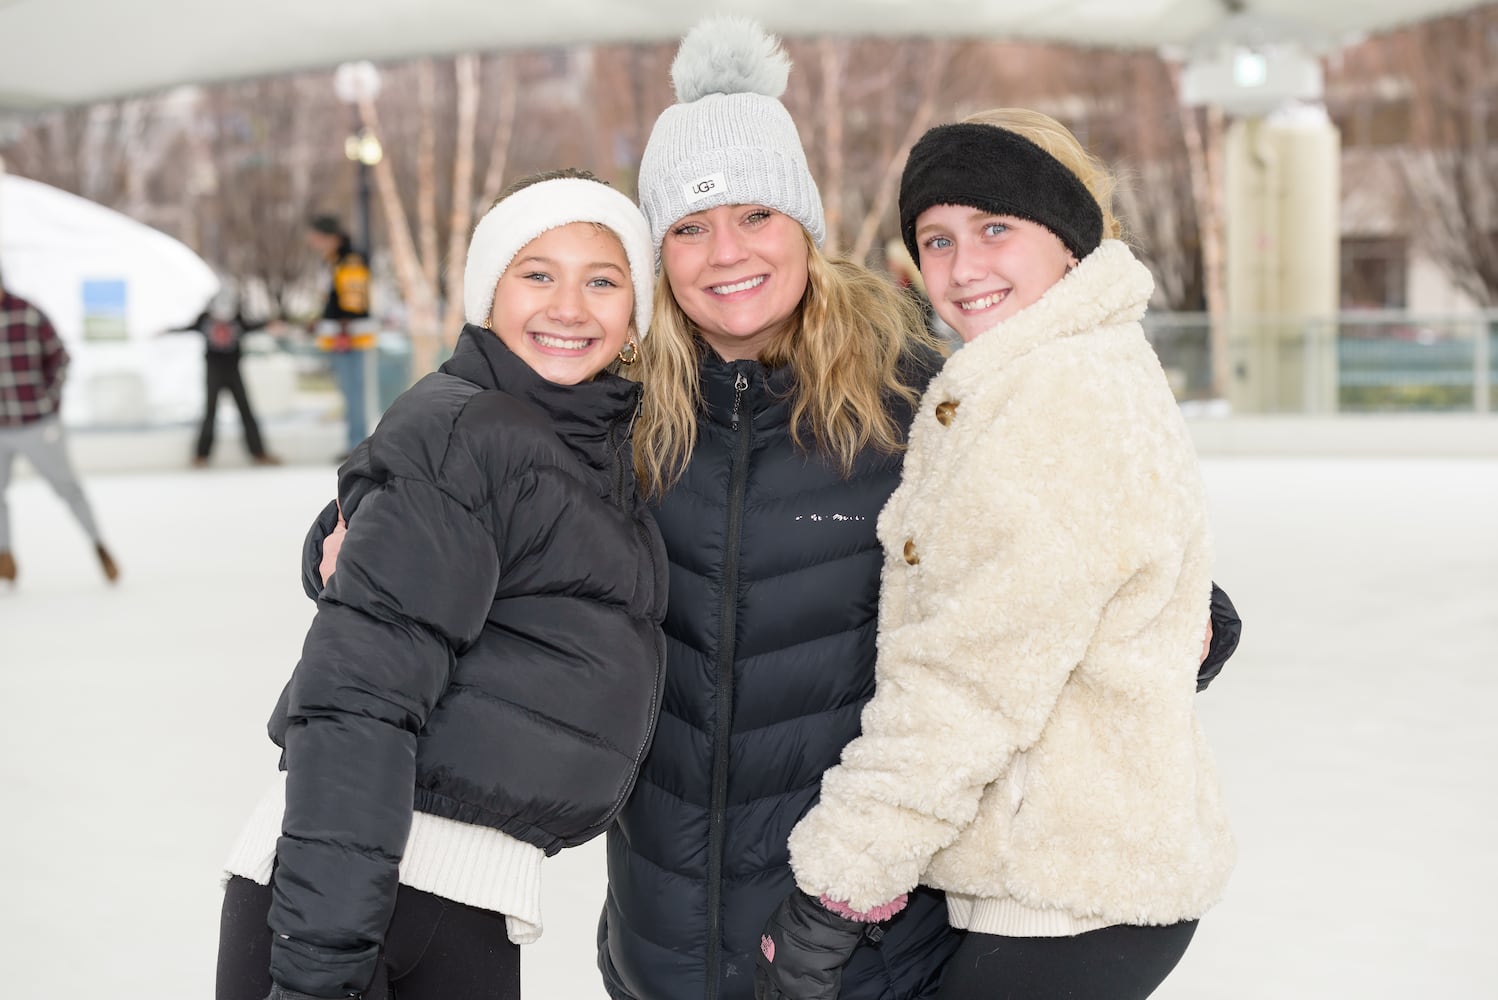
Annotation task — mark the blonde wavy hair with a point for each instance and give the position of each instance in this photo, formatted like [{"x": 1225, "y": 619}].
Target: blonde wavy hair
[
  {"x": 845, "y": 346},
  {"x": 1056, "y": 139}
]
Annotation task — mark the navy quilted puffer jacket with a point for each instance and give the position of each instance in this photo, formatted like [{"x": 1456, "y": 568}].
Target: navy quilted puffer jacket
[{"x": 774, "y": 581}]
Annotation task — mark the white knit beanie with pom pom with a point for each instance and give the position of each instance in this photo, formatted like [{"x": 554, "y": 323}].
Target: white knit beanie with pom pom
[{"x": 729, "y": 141}]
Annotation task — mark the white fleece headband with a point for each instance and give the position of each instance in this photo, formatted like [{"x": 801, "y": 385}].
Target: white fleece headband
[{"x": 507, "y": 227}]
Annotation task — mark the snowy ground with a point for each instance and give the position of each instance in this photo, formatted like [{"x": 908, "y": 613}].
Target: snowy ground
[{"x": 1354, "y": 731}]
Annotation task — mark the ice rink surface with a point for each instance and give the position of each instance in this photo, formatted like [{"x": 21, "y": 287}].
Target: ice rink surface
[{"x": 1355, "y": 733}]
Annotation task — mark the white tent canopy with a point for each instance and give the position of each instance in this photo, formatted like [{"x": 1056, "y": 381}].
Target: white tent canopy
[
  {"x": 60, "y": 52},
  {"x": 88, "y": 266},
  {"x": 111, "y": 286}
]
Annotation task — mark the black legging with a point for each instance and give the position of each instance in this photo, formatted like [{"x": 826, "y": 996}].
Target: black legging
[
  {"x": 222, "y": 371},
  {"x": 1114, "y": 963},
  {"x": 435, "y": 949}
]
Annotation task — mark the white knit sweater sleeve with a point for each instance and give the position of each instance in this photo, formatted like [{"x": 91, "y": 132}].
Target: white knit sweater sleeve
[{"x": 1026, "y": 520}]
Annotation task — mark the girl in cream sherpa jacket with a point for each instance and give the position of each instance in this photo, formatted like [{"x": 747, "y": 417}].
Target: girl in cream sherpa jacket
[{"x": 1032, "y": 747}]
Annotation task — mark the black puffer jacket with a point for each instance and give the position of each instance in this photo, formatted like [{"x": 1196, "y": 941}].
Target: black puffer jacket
[
  {"x": 490, "y": 640},
  {"x": 774, "y": 590}
]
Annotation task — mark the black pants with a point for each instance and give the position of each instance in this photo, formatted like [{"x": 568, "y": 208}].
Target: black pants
[
  {"x": 435, "y": 949},
  {"x": 223, "y": 373},
  {"x": 1112, "y": 963}
]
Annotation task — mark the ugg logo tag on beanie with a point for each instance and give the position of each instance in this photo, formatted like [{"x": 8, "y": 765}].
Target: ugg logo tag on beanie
[{"x": 704, "y": 187}]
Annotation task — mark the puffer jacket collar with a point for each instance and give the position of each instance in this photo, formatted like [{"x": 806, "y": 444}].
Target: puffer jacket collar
[
  {"x": 588, "y": 416},
  {"x": 766, "y": 397}
]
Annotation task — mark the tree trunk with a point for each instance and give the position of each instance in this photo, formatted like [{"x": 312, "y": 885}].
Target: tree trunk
[
  {"x": 466, "y": 71},
  {"x": 419, "y": 296},
  {"x": 426, "y": 172},
  {"x": 1204, "y": 153},
  {"x": 504, "y": 130},
  {"x": 834, "y": 60},
  {"x": 889, "y": 181}
]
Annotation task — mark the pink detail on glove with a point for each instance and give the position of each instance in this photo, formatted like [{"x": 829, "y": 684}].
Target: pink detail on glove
[
  {"x": 767, "y": 946},
  {"x": 878, "y": 913}
]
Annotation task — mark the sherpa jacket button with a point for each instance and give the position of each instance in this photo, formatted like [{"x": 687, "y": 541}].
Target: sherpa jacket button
[
  {"x": 911, "y": 556},
  {"x": 946, "y": 411}
]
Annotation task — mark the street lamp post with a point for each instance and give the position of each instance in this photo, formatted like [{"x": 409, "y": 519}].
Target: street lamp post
[{"x": 355, "y": 82}]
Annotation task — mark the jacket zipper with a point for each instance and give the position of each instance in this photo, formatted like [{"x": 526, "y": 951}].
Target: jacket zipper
[
  {"x": 723, "y": 731},
  {"x": 622, "y": 469}
]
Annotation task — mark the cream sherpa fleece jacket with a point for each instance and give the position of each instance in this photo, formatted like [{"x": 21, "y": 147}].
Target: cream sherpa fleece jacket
[{"x": 1032, "y": 737}]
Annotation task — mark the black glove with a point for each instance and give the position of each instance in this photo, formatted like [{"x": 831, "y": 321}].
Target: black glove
[
  {"x": 1226, "y": 628},
  {"x": 803, "y": 951}
]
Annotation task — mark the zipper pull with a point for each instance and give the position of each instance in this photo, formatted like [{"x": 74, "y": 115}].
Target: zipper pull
[
  {"x": 639, "y": 405},
  {"x": 740, "y": 383}
]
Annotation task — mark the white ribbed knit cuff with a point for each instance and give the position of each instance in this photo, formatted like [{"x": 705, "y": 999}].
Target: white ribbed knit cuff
[
  {"x": 1007, "y": 918},
  {"x": 469, "y": 864},
  {"x": 478, "y": 866},
  {"x": 254, "y": 853}
]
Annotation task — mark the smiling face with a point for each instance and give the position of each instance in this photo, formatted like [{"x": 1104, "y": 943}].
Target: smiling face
[
  {"x": 981, "y": 268},
  {"x": 738, "y": 272},
  {"x": 564, "y": 304}
]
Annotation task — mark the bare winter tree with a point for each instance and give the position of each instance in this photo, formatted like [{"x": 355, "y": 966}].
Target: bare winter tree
[
  {"x": 264, "y": 161},
  {"x": 81, "y": 150},
  {"x": 428, "y": 120},
  {"x": 1122, "y": 107},
  {"x": 268, "y": 160},
  {"x": 906, "y": 112},
  {"x": 1450, "y": 164},
  {"x": 832, "y": 60},
  {"x": 230, "y": 170},
  {"x": 860, "y": 105},
  {"x": 122, "y": 154},
  {"x": 418, "y": 291},
  {"x": 630, "y": 87},
  {"x": 1167, "y": 162}
]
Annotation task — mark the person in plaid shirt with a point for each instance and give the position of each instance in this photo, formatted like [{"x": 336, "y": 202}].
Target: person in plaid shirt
[{"x": 33, "y": 363}]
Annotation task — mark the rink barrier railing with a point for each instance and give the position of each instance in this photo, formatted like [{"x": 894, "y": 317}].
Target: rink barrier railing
[{"x": 1365, "y": 361}]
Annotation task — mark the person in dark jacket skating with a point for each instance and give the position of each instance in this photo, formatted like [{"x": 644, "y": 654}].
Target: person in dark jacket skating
[
  {"x": 223, "y": 327},
  {"x": 778, "y": 387},
  {"x": 485, "y": 668}
]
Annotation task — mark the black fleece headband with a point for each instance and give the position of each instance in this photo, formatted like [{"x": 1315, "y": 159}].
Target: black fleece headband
[{"x": 995, "y": 170}]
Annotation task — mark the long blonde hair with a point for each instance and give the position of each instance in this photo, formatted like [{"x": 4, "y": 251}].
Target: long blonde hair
[
  {"x": 1056, "y": 139},
  {"x": 851, "y": 331}
]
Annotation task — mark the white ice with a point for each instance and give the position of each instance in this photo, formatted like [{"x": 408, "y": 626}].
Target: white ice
[{"x": 1355, "y": 732}]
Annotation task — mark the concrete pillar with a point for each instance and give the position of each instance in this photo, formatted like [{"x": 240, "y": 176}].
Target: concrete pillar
[{"x": 1282, "y": 197}]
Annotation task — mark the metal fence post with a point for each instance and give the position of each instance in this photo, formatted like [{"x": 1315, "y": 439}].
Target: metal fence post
[
  {"x": 1482, "y": 363},
  {"x": 372, "y": 383}
]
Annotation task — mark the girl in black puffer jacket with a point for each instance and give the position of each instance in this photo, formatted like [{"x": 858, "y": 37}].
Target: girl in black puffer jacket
[{"x": 482, "y": 678}]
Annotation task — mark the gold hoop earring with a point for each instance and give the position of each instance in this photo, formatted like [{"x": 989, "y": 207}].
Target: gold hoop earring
[{"x": 630, "y": 353}]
